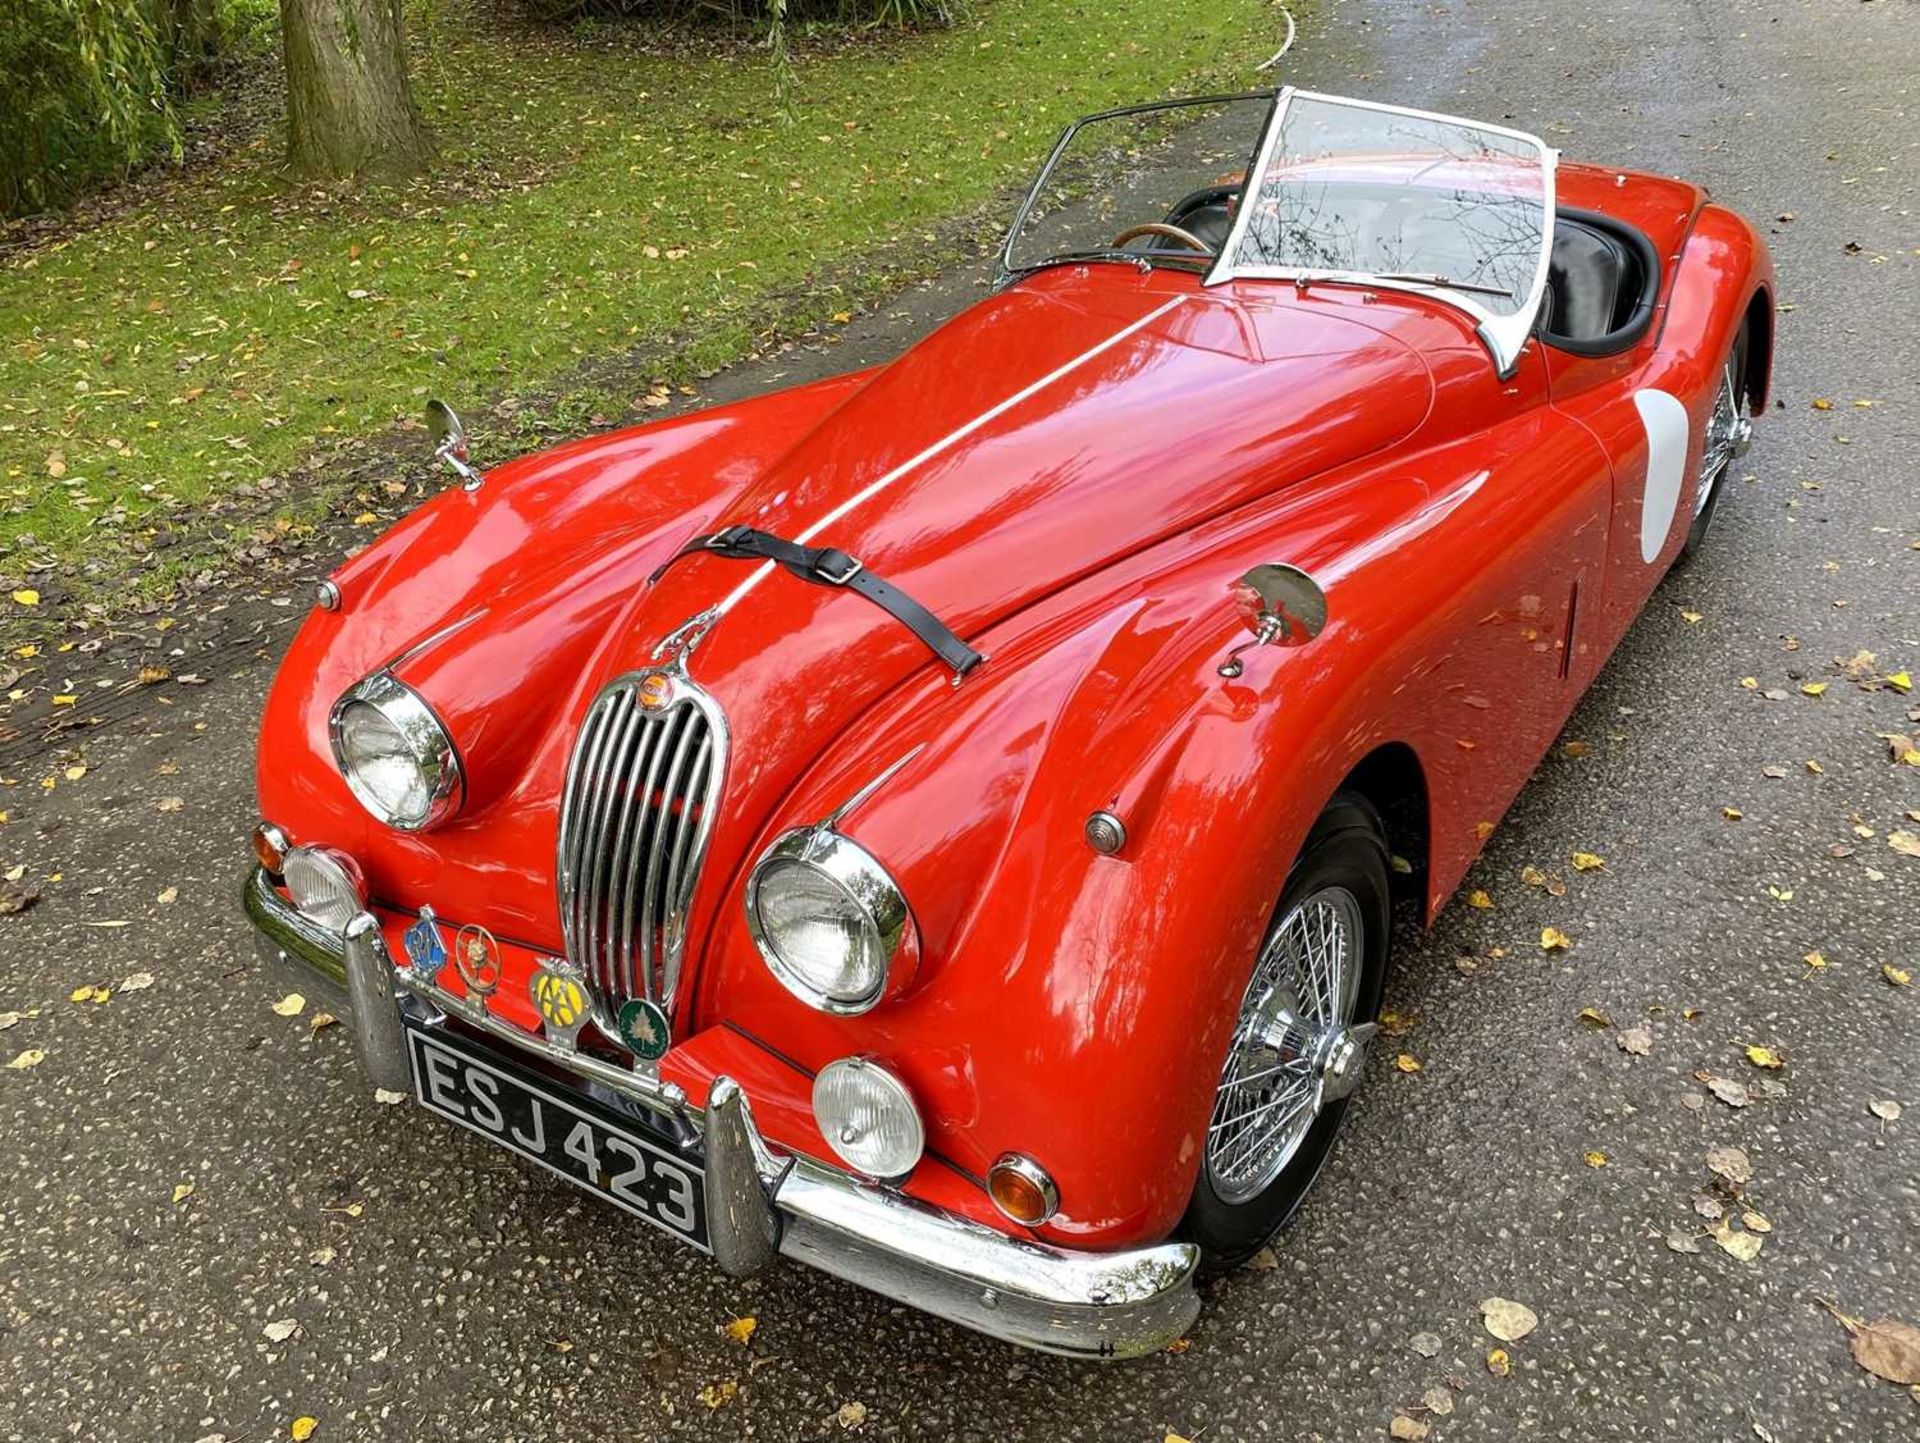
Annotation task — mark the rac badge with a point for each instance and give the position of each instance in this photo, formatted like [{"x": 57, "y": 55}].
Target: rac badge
[
  {"x": 643, "y": 1027},
  {"x": 425, "y": 950},
  {"x": 561, "y": 999},
  {"x": 477, "y": 956}
]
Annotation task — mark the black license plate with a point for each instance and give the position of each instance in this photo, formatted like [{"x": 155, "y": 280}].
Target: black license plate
[{"x": 560, "y": 1134}]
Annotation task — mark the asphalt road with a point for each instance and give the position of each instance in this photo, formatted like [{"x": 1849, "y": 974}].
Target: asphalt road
[{"x": 440, "y": 1290}]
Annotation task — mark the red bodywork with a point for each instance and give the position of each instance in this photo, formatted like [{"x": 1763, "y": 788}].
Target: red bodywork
[{"x": 1478, "y": 541}]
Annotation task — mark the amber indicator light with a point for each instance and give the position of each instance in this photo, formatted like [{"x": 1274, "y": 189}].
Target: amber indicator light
[
  {"x": 269, "y": 847},
  {"x": 1022, "y": 1190}
]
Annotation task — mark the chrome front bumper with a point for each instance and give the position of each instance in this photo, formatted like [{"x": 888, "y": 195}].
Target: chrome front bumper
[{"x": 761, "y": 1202}]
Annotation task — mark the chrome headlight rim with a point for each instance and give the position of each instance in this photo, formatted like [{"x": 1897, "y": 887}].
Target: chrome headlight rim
[
  {"x": 427, "y": 740},
  {"x": 858, "y": 875}
]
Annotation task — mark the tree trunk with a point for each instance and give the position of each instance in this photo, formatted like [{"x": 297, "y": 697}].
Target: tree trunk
[{"x": 349, "y": 106}]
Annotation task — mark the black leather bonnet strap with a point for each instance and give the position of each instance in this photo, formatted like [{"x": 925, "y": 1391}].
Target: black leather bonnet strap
[{"x": 826, "y": 566}]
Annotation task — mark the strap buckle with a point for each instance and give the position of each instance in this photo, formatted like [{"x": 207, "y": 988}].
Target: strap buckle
[
  {"x": 726, "y": 539},
  {"x": 829, "y": 557}
]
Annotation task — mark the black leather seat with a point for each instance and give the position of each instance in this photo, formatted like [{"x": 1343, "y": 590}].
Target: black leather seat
[
  {"x": 1603, "y": 278},
  {"x": 1587, "y": 272}
]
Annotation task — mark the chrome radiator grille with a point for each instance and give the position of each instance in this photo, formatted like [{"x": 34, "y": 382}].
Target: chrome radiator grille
[{"x": 634, "y": 822}]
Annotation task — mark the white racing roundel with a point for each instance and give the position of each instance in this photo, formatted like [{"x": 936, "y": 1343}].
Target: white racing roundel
[{"x": 1665, "y": 420}]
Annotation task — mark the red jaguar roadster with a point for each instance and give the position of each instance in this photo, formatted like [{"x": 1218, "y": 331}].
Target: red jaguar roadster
[{"x": 940, "y": 823}]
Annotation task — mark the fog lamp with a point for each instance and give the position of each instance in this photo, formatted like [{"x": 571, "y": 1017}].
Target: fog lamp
[
  {"x": 868, "y": 1117},
  {"x": 1022, "y": 1189},
  {"x": 326, "y": 886}
]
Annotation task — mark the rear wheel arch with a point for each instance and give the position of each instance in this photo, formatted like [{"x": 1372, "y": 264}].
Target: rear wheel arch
[{"x": 1759, "y": 370}]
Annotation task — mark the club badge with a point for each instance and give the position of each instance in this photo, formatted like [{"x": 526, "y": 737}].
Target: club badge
[
  {"x": 425, "y": 951},
  {"x": 643, "y": 1027},
  {"x": 477, "y": 956},
  {"x": 560, "y": 997}
]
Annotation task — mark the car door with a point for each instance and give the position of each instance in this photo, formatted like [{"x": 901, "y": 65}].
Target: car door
[{"x": 1647, "y": 437}]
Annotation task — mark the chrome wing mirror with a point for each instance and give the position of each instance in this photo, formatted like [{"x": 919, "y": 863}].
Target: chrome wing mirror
[
  {"x": 1281, "y": 605},
  {"x": 450, "y": 443}
]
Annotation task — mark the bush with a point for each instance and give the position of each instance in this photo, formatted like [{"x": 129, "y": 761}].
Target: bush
[
  {"x": 83, "y": 94},
  {"x": 758, "y": 14}
]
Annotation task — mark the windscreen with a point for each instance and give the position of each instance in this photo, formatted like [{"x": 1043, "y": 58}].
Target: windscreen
[
  {"x": 1178, "y": 165},
  {"x": 1352, "y": 189}
]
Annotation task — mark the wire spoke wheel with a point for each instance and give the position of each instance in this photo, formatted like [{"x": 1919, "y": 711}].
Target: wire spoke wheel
[
  {"x": 1294, "y": 1047},
  {"x": 1728, "y": 434}
]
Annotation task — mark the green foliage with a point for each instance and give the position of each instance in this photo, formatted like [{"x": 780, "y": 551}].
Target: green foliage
[
  {"x": 588, "y": 201},
  {"x": 83, "y": 92},
  {"x": 89, "y": 88},
  {"x": 760, "y": 14}
]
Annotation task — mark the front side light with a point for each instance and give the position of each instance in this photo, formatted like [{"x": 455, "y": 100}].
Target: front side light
[
  {"x": 1022, "y": 1189},
  {"x": 869, "y": 1118},
  {"x": 270, "y": 847},
  {"x": 396, "y": 756},
  {"x": 326, "y": 886},
  {"x": 829, "y": 921}
]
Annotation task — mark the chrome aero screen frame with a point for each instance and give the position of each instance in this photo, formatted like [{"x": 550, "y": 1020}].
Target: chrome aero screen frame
[
  {"x": 1503, "y": 336},
  {"x": 1004, "y": 268}
]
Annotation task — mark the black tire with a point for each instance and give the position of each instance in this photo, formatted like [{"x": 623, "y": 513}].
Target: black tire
[
  {"x": 1346, "y": 848},
  {"x": 1703, "y": 518}
]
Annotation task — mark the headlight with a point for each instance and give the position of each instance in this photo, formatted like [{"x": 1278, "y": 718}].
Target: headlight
[
  {"x": 830, "y": 922},
  {"x": 395, "y": 755},
  {"x": 326, "y": 886},
  {"x": 869, "y": 1118}
]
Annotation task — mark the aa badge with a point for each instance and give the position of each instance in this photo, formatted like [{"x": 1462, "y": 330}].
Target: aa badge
[
  {"x": 425, "y": 951},
  {"x": 477, "y": 956},
  {"x": 643, "y": 1027},
  {"x": 560, "y": 997}
]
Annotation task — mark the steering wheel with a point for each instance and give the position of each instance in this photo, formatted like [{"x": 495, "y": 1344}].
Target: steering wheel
[{"x": 1171, "y": 232}]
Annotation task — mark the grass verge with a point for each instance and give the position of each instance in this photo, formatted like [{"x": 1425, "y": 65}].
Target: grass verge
[{"x": 589, "y": 196}]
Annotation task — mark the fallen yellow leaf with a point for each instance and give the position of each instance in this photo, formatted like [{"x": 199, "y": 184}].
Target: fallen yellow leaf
[
  {"x": 290, "y": 1005},
  {"x": 1813, "y": 688},
  {"x": 27, "y": 596},
  {"x": 1552, "y": 939},
  {"x": 1764, "y": 1057},
  {"x": 302, "y": 1428},
  {"x": 1498, "y": 1363},
  {"x": 741, "y": 1329},
  {"x": 1814, "y": 960},
  {"x": 181, "y": 1192},
  {"x": 1900, "y": 680},
  {"x": 32, "y": 1057},
  {"x": 1587, "y": 862},
  {"x": 1479, "y": 898},
  {"x": 1898, "y": 976},
  {"x": 1407, "y": 1062},
  {"x": 1593, "y": 1157}
]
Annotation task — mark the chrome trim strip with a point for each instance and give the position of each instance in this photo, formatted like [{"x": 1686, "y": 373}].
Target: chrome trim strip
[
  {"x": 433, "y": 639},
  {"x": 951, "y": 439},
  {"x": 840, "y": 813},
  {"x": 1081, "y": 1304}
]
